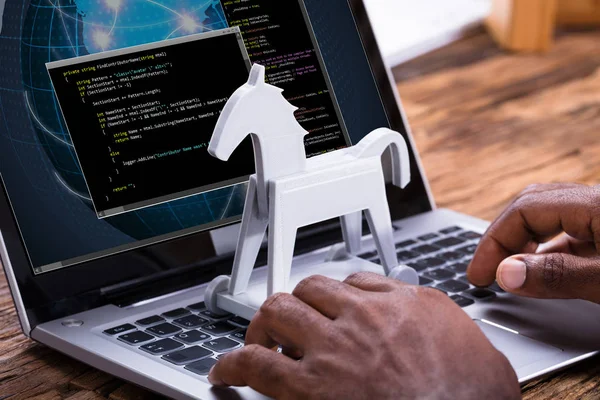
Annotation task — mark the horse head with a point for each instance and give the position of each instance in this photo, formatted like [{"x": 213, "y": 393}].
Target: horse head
[{"x": 256, "y": 108}]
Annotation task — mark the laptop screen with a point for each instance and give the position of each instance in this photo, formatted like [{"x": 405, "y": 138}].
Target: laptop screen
[{"x": 103, "y": 142}]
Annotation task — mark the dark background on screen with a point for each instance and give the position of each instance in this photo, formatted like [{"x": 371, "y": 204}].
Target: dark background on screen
[{"x": 58, "y": 225}]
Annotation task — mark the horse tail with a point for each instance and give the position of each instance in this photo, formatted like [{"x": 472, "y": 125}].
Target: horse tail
[{"x": 376, "y": 142}]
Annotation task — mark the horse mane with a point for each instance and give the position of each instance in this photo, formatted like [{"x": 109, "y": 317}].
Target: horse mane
[{"x": 257, "y": 75}]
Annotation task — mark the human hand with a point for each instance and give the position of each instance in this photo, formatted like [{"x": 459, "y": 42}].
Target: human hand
[
  {"x": 544, "y": 245},
  {"x": 368, "y": 337}
]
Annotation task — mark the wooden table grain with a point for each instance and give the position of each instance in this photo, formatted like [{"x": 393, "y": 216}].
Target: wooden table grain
[{"x": 486, "y": 123}]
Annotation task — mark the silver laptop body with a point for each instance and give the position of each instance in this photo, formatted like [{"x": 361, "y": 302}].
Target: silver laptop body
[{"x": 101, "y": 311}]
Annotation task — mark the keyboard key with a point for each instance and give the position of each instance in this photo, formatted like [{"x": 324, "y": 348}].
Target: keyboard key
[
  {"x": 188, "y": 355},
  {"x": 136, "y": 337},
  {"x": 405, "y": 243},
  {"x": 424, "y": 281},
  {"x": 449, "y": 242},
  {"x": 119, "y": 329},
  {"x": 425, "y": 263},
  {"x": 161, "y": 347},
  {"x": 459, "y": 268},
  {"x": 470, "y": 249},
  {"x": 452, "y": 255},
  {"x": 241, "y": 335},
  {"x": 496, "y": 288},
  {"x": 222, "y": 344},
  {"x": 426, "y": 249},
  {"x": 239, "y": 322},
  {"x": 439, "y": 274},
  {"x": 407, "y": 255},
  {"x": 180, "y": 312},
  {"x": 190, "y": 321},
  {"x": 429, "y": 236},
  {"x": 197, "y": 306},
  {"x": 191, "y": 337},
  {"x": 417, "y": 266},
  {"x": 453, "y": 286},
  {"x": 368, "y": 256},
  {"x": 201, "y": 367},
  {"x": 451, "y": 229},
  {"x": 218, "y": 328},
  {"x": 461, "y": 301},
  {"x": 469, "y": 235},
  {"x": 164, "y": 330},
  {"x": 441, "y": 290},
  {"x": 150, "y": 320},
  {"x": 464, "y": 279},
  {"x": 212, "y": 316},
  {"x": 481, "y": 294}
]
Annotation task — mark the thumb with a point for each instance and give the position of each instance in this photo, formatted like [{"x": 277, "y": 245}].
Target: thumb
[{"x": 551, "y": 276}]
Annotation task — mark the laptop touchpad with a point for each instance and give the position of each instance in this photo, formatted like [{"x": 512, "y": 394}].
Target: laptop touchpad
[{"x": 520, "y": 350}]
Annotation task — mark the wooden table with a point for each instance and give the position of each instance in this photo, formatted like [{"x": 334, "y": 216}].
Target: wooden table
[{"x": 486, "y": 124}]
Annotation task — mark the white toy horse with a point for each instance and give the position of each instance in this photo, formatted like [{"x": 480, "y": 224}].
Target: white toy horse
[{"x": 290, "y": 191}]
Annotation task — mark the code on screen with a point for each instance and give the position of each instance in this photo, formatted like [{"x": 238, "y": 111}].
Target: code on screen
[{"x": 141, "y": 119}]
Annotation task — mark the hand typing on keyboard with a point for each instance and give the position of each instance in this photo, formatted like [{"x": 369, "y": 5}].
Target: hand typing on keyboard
[
  {"x": 545, "y": 244},
  {"x": 368, "y": 337}
]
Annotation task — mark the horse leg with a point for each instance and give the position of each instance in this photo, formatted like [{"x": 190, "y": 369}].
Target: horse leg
[
  {"x": 380, "y": 224},
  {"x": 352, "y": 232},
  {"x": 282, "y": 239},
  {"x": 252, "y": 233}
]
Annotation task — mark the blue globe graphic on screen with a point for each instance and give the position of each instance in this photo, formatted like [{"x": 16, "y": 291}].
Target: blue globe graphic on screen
[{"x": 61, "y": 29}]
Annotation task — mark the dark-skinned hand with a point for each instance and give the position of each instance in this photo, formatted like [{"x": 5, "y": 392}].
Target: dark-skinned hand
[
  {"x": 368, "y": 337},
  {"x": 544, "y": 245}
]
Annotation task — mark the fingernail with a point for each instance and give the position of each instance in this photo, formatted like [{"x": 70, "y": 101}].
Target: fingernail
[
  {"x": 512, "y": 274},
  {"x": 213, "y": 379},
  {"x": 543, "y": 246}
]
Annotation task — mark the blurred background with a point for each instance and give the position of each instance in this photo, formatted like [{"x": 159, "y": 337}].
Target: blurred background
[
  {"x": 408, "y": 28},
  {"x": 499, "y": 94}
]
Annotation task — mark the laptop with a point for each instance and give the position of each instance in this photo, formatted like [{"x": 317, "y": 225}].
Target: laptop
[{"x": 114, "y": 220}]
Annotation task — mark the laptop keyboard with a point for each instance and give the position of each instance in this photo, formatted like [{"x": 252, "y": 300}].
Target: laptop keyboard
[
  {"x": 441, "y": 260},
  {"x": 191, "y": 338},
  {"x": 194, "y": 338}
]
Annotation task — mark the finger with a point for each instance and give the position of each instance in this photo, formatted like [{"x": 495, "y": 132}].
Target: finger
[
  {"x": 531, "y": 218},
  {"x": 264, "y": 370},
  {"x": 328, "y": 296},
  {"x": 530, "y": 191},
  {"x": 551, "y": 276},
  {"x": 283, "y": 319},
  {"x": 568, "y": 245},
  {"x": 535, "y": 189},
  {"x": 372, "y": 282}
]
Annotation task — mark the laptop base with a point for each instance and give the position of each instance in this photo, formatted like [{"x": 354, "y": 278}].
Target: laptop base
[{"x": 553, "y": 333}]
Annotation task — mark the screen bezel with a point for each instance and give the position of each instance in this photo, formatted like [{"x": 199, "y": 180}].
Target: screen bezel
[{"x": 68, "y": 291}]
